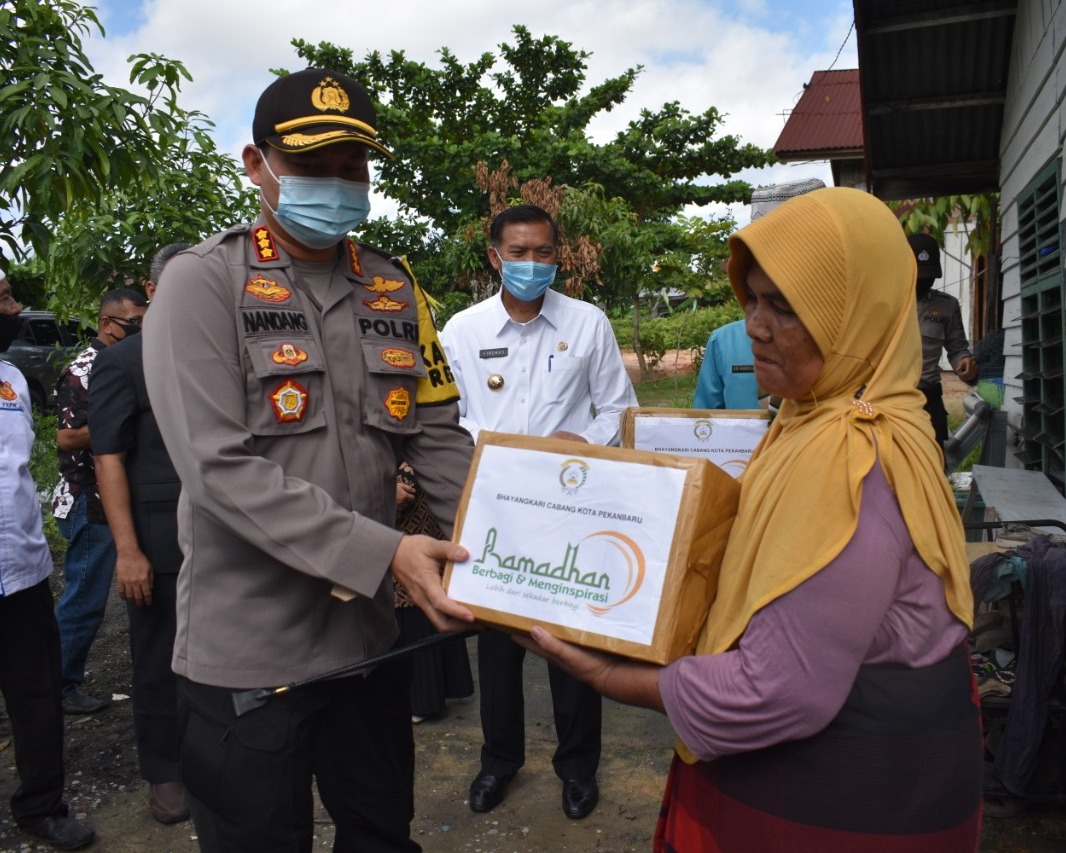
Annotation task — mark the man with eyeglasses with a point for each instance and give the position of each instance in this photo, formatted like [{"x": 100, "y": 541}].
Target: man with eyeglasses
[{"x": 90, "y": 559}]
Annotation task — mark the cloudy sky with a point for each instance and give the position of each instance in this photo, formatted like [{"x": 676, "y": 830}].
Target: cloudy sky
[{"x": 748, "y": 58}]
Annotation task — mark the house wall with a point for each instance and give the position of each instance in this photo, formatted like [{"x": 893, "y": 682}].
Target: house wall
[{"x": 1033, "y": 133}]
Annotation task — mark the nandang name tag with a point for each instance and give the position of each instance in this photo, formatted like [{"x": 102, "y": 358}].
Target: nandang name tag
[
  {"x": 726, "y": 437},
  {"x": 597, "y": 544}
]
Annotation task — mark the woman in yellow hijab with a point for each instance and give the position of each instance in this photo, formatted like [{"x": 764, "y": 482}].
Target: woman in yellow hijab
[{"x": 829, "y": 705}]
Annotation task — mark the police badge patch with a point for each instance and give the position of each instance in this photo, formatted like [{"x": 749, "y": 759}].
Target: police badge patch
[
  {"x": 289, "y": 402},
  {"x": 398, "y": 403}
]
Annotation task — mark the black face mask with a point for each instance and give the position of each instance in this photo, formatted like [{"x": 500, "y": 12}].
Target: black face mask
[
  {"x": 924, "y": 286},
  {"x": 128, "y": 329},
  {"x": 9, "y": 330}
]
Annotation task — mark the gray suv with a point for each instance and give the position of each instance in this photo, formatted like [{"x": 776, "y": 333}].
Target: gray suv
[{"x": 41, "y": 351}]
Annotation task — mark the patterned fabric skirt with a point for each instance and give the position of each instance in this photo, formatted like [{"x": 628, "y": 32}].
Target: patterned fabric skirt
[{"x": 898, "y": 771}]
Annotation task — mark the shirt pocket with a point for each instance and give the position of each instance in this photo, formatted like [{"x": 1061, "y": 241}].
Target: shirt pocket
[
  {"x": 285, "y": 385},
  {"x": 392, "y": 370},
  {"x": 565, "y": 374}
]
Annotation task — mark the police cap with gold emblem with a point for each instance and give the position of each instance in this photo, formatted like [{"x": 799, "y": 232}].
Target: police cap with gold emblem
[{"x": 313, "y": 108}]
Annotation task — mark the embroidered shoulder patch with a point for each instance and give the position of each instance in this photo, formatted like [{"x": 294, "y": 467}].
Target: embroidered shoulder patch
[
  {"x": 353, "y": 256},
  {"x": 7, "y": 392},
  {"x": 264, "y": 244}
]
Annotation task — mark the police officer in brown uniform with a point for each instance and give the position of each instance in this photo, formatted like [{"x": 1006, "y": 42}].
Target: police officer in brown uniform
[{"x": 289, "y": 368}]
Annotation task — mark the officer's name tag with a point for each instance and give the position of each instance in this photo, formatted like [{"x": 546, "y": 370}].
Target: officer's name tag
[
  {"x": 500, "y": 352},
  {"x": 743, "y": 368}
]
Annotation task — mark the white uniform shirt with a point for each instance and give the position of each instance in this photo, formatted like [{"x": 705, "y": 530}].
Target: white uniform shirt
[
  {"x": 560, "y": 371},
  {"x": 24, "y": 556}
]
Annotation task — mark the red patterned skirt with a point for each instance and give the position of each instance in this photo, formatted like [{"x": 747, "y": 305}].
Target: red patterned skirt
[{"x": 898, "y": 771}]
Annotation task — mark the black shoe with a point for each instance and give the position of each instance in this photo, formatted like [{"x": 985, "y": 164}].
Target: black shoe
[
  {"x": 62, "y": 832},
  {"x": 580, "y": 797},
  {"x": 77, "y": 702},
  {"x": 486, "y": 791}
]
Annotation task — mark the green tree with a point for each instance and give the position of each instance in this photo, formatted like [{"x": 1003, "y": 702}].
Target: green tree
[
  {"x": 978, "y": 217},
  {"x": 97, "y": 177},
  {"x": 526, "y": 108},
  {"x": 529, "y": 108}
]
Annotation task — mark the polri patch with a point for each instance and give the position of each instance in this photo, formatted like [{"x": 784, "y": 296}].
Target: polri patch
[
  {"x": 499, "y": 352},
  {"x": 7, "y": 392},
  {"x": 398, "y": 402},
  {"x": 289, "y": 402},
  {"x": 267, "y": 290}
]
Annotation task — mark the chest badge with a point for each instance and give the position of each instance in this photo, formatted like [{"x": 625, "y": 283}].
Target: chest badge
[
  {"x": 398, "y": 357},
  {"x": 289, "y": 354},
  {"x": 383, "y": 303},
  {"x": 398, "y": 403},
  {"x": 495, "y": 382},
  {"x": 383, "y": 285},
  {"x": 562, "y": 346},
  {"x": 265, "y": 250},
  {"x": 267, "y": 290},
  {"x": 7, "y": 392},
  {"x": 289, "y": 402}
]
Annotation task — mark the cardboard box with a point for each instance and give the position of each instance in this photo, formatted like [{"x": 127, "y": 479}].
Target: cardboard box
[
  {"x": 726, "y": 437},
  {"x": 609, "y": 548}
]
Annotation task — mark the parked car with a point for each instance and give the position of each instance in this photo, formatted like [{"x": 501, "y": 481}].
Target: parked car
[{"x": 42, "y": 349}]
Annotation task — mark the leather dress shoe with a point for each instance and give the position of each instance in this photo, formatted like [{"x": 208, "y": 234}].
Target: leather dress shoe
[
  {"x": 167, "y": 802},
  {"x": 486, "y": 791},
  {"x": 61, "y": 832},
  {"x": 580, "y": 797},
  {"x": 77, "y": 702}
]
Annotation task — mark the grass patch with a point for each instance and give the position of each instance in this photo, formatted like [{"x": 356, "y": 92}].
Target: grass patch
[{"x": 674, "y": 391}]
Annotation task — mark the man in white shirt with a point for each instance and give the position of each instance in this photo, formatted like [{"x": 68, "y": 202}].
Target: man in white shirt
[
  {"x": 29, "y": 637},
  {"x": 532, "y": 361}
]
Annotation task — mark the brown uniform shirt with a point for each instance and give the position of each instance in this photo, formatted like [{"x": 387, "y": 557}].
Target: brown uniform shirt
[{"x": 285, "y": 419}]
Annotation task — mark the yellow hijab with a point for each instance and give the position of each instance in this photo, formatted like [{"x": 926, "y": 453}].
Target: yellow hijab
[{"x": 840, "y": 258}]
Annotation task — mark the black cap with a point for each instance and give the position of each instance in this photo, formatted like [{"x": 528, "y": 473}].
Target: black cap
[
  {"x": 927, "y": 254},
  {"x": 314, "y": 108}
]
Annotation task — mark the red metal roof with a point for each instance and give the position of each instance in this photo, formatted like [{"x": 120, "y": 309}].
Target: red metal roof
[{"x": 827, "y": 121}]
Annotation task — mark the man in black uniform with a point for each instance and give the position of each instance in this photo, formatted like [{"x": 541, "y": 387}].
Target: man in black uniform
[
  {"x": 139, "y": 489},
  {"x": 940, "y": 319}
]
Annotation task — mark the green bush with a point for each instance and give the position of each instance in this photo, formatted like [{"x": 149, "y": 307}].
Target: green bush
[{"x": 681, "y": 330}]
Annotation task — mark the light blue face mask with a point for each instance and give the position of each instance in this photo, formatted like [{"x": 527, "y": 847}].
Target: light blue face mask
[
  {"x": 526, "y": 280},
  {"x": 319, "y": 212}
]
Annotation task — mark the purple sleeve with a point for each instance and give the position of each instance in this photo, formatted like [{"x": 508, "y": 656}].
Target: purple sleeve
[{"x": 799, "y": 656}]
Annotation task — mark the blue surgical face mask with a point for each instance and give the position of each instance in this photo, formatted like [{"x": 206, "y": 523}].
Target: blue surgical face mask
[
  {"x": 319, "y": 212},
  {"x": 526, "y": 280}
]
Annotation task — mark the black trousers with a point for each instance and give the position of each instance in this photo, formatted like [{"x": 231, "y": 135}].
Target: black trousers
[
  {"x": 577, "y": 707},
  {"x": 934, "y": 405},
  {"x": 250, "y": 777},
  {"x": 32, "y": 686},
  {"x": 155, "y": 687}
]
